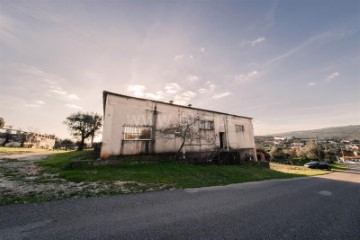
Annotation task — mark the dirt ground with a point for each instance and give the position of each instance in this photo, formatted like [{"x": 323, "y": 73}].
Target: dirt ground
[{"x": 22, "y": 180}]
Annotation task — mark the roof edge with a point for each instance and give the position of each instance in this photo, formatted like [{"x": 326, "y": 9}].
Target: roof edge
[{"x": 105, "y": 93}]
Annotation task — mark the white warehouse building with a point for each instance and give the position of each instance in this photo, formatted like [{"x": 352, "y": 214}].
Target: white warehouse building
[{"x": 131, "y": 126}]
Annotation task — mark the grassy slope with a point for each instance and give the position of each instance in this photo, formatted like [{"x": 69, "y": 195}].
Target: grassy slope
[{"x": 178, "y": 175}]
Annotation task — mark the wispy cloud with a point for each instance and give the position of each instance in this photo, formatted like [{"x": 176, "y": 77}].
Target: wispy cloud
[
  {"x": 7, "y": 34},
  {"x": 137, "y": 90},
  {"x": 245, "y": 77},
  {"x": 253, "y": 43},
  {"x": 311, "y": 84},
  {"x": 178, "y": 57},
  {"x": 55, "y": 21},
  {"x": 73, "y": 106},
  {"x": 209, "y": 88},
  {"x": 184, "y": 98},
  {"x": 140, "y": 91},
  {"x": 221, "y": 95},
  {"x": 35, "y": 104},
  {"x": 73, "y": 97},
  {"x": 40, "y": 82},
  {"x": 172, "y": 88},
  {"x": 316, "y": 40},
  {"x": 39, "y": 102},
  {"x": 58, "y": 91},
  {"x": 192, "y": 78},
  {"x": 257, "y": 41},
  {"x": 171, "y": 91},
  {"x": 202, "y": 49},
  {"x": 332, "y": 76},
  {"x": 155, "y": 96}
]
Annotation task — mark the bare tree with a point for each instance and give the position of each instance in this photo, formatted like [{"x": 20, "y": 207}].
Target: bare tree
[{"x": 187, "y": 130}]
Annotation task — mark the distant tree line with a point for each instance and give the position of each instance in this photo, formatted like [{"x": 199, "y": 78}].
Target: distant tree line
[{"x": 310, "y": 151}]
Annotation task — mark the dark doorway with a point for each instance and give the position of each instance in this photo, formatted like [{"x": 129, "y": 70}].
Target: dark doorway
[{"x": 222, "y": 139}]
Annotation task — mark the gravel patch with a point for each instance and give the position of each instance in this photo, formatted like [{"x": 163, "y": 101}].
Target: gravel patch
[{"x": 22, "y": 180}]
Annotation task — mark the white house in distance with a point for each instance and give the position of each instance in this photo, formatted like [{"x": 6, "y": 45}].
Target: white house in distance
[{"x": 131, "y": 127}]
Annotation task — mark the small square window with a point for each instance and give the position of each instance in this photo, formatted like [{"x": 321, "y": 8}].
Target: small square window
[
  {"x": 239, "y": 128},
  {"x": 206, "y": 125}
]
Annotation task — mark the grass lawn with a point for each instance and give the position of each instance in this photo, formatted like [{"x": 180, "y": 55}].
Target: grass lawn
[
  {"x": 171, "y": 173},
  {"x": 338, "y": 167}
]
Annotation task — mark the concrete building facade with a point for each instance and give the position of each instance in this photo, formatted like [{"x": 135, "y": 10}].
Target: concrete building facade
[{"x": 131, "y": 127}]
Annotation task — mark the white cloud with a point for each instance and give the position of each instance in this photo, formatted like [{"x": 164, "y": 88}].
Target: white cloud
[
  {"x": 332, "y": 76},
  {"x": 184, "y": 98},
  {"x": 257, "y": 41},
  {"x": 67, "y": 96},
  {"x": 39, "y": 102},
  {"x": 136, "y": 90},
  {"x": 172, "y": 88},
  {"x": 191, "y": 56},
  {"x": 178, "y": 57},
  {"x": 192, "y": 78},
  {"x": 202, "y": 90},
  {"x": 73, "y": 106},
  {"x": 189, "y": 94},
  {"x": 73, "y": 97},
  {"x": 58, "y": 91},
  {"x": 245, "y": 77},
  {"x": 32, "y": 105},
  {"x": 209, "y": 88},
  {"x": 253, "y": 43},
  {"x": 311, "y": 84},
  {"x": 157, "y": 96},
  {"x": 202, "y": 49},
  {"x": 221, "y": 95},
  {"x": 35, "y": 104}
]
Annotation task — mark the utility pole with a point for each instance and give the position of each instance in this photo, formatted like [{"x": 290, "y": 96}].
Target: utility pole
[{"x": 318, "y": 147}]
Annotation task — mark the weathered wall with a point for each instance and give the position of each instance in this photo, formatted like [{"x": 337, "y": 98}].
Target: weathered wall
[{"x": 122, "y": 110}]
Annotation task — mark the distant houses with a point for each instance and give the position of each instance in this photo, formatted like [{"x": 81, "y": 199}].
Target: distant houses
[
  {"x": 293, "y": 146},
  {"x": 17, "y": 138}
]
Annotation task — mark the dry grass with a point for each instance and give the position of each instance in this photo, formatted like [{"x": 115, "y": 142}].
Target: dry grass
[
  {"x": 13, "y": 150},
  {"x": 291, "y": 169}
]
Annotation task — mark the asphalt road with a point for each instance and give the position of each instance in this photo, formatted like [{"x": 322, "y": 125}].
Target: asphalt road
[{"x": 326, "y": 207}]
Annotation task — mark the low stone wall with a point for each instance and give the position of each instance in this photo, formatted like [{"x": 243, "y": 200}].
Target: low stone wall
[
  {"x": 76, "y": 164},
  {"x": 262, "y": 164},
  {"x": 114, "y": 162}
]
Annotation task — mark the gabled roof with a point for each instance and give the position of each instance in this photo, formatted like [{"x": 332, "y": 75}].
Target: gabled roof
[{"x": 105, "y": 93}]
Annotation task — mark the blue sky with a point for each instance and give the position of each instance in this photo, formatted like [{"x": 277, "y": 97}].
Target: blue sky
[{"x": 291, "y": 65}]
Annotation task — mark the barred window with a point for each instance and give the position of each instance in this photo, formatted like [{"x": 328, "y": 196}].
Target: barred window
[
  {"x": 137, "y": 133},
  {"x": 239, "y": 128},
  {"x": 206, "y": 125}
]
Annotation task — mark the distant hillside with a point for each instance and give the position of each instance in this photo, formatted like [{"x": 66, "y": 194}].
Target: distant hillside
[{"x": 352, "y": 132}]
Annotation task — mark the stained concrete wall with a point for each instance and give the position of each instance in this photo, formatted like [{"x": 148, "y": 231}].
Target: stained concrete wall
[{"x": 121, "y": 110}]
